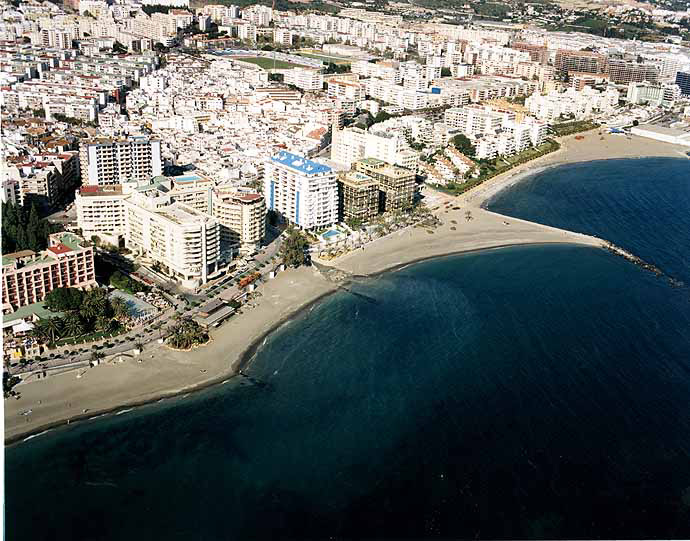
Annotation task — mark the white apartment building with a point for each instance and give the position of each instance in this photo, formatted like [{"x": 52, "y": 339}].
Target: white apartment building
[
  {"x": 495, "y": 131},
  {"x": 304, "y": 78},
  {"x": 346, "y": 90},
  {"x": 183, "y": 240},
  {"x": 352, "y": 144},
  {"x": 303, "y": 192},
  {"x": 656, "y": 94},
  {"x": 582, "y": 104},
  {"x": 477, "y": 119},
  {"x": 114, "y": 161},
  {"x": 101, "y": 211},
  {"x": 242, "y": 219}
]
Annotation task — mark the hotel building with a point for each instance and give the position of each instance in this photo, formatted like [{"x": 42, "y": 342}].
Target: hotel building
[
  {"x": 242, "y": 219},
  {"x": 27, "y": 276},
  {"x": 303, "y": 192},
  {"x": 183, "y": 240}
]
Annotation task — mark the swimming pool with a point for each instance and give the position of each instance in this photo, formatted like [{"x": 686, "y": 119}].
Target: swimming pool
[{"x": 330, "y": 233}]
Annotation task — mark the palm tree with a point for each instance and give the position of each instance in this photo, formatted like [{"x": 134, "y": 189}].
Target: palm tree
[
  {"x": 468, "y": 215},
  {"x": 103, "y": 323},
  {"x": 39, "y": 332},
  {"x": 72, "y": 325},
  {"x": 96, "y": 355},
  {"x": 52, "y": 327},
  {"x": 119, "y": 307},
  {"x": 95, "y": 303}
]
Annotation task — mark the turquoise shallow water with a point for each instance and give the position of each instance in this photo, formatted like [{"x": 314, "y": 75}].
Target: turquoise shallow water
[{"x": 524, "y": 392}]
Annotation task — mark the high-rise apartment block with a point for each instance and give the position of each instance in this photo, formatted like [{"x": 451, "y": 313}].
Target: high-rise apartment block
[
  {"x": 683, "y": 81},
  {"x": 242, "y": 219},
  {"x": 628, "y": 71},
  {"x": 581, "y": 61},
  {"x": 114, "y": 161},
  {"x": 303, "y": 192},
  {"x": 397, "y": 185},
  {"x": 358, "y": 196}
]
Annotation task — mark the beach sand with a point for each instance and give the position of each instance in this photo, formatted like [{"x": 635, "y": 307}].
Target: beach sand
[{"x": 111, "y": 386}]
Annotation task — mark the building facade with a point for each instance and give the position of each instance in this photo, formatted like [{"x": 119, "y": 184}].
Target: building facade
[
  {"x": 27, "y": 277},
  {"x": 114, "y": 161},
  {"x": 358, "y": 197},
  {"x": 303, "y": 192},
  {"x": 397, "y": 185},
  {"x": 242, "y": 219}
]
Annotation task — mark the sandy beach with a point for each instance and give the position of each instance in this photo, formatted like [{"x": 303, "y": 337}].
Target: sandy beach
[
  {"x": 592, "y": 147},
  {"x": 163, "y": 372},
  {"x": 115, "y": 385}
]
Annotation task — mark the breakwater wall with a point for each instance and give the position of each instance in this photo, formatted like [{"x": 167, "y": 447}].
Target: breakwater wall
[{"x": 635, "y": 260}]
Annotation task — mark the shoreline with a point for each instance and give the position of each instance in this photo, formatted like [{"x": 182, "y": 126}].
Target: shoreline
[{"x": 486, "y": 231}]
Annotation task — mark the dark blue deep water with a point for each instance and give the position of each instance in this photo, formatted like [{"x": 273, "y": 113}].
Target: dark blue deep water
[{"x": 522, "y": 392}]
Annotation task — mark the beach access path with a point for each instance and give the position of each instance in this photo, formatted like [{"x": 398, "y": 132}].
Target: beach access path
[{"x": 163, "y": 372}]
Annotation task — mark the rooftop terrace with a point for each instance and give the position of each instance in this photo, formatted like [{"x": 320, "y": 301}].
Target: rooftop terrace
[{"x": 301, "y": 164}]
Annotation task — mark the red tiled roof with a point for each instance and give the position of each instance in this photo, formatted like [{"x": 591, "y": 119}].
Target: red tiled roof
[{"x": 59, "y": 249}]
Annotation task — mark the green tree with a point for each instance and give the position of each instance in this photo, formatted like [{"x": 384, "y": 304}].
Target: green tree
[
  {"x": 64, "y": 299},
  {"x": 119, "y": 307},
  {"x": 187, "y": 333},
  {"x": 73, "y": 325},
  {"x": 95, "y": 304},
  {"x": 445, "y": 72},
  {"x": 464, "y": 145},
  {"x": 293, "y": 250},
  {"x": 51, "y": 327},
  {"x": 23, "y": 229}
]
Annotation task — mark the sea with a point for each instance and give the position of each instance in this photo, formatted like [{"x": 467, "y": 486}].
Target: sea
[{"x": 524, "y": 392}]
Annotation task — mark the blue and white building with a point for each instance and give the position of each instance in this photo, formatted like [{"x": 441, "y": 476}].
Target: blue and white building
[{"x": 302, "y": 191}]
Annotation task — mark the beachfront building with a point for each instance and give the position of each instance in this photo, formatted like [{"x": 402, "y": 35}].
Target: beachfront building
[
  {"x": 351, "y": 144},
  {"x": 27, "y": 276},
  {"x": 358, "y": 196},
  {"x": 397, "y": 185},
  {"x": 114, "y": 161},
  {"x": 303, "y": 192},
  {"x": 580, "y": 104},
  {"x": 180, "y": 239},
  {"x": 242, "y": 219},
  {"x": 656, "y": 94}
]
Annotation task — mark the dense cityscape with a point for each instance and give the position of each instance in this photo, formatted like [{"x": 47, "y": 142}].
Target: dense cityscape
[{"x": 169, "y": 166}]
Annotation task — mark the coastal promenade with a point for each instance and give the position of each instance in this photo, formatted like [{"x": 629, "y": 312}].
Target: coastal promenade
[{"x": 163, "y": 372}]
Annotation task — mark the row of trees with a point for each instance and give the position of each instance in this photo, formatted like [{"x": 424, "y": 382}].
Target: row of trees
[
  {"x": 85, "y": 312},
  {"x": 23, "y": 228}
]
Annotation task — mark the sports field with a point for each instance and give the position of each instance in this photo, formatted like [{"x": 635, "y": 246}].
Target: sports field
[
  {"x": 266, "y": 63},
  {"x": 326, "y": 58}
]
